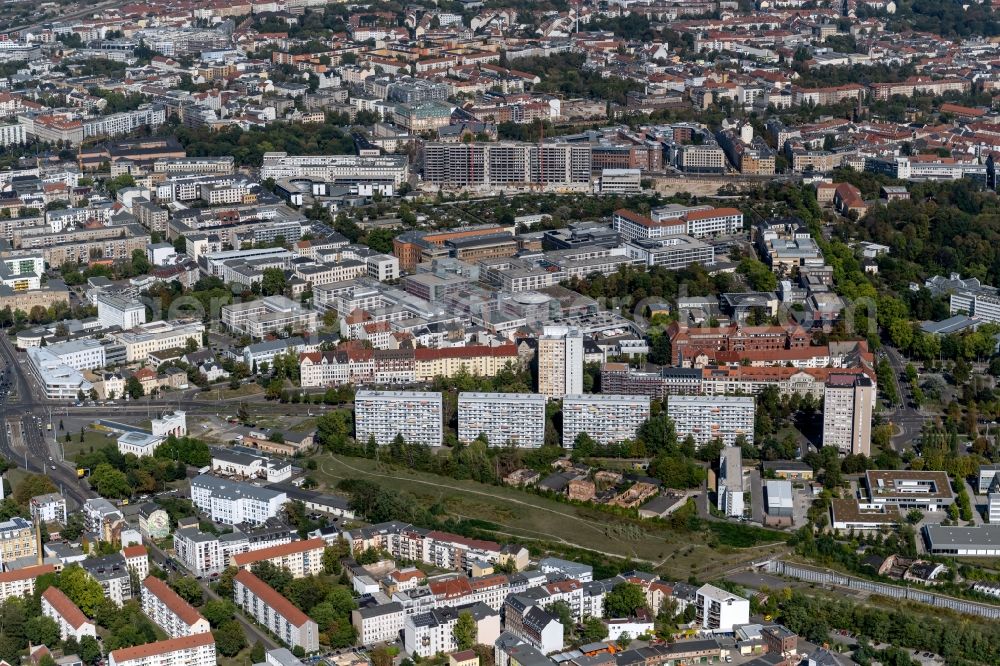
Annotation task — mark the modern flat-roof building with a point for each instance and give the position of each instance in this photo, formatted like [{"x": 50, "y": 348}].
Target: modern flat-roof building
[
  {"x": 560, "y": 361},
  {"x": 232, "y": 502},
  {"x": 849, "y": 514},
  {"x": 414, "y": 415},
  {"x": 59, "y": 380},
  {"x": 706, "y": 418},
  {"x": 719, "y": 610},
  {"x": 121, "y": 312},
  {"x": 729, "y": 491},
  {"x": 909, "y": 489},
  {"x": 194, "y": 650},
  {"x": 504, "y": 418},
  {"x": 272, "y": 610},
  {"x": 271, "y": 314},
  {"x": 169, "y": 611},
  {"x": 69, "y": 617},
  {"x": 779, "y": 498},
  {"x": 608, "y": 419},
  {"x": 139, "y": 444},
  {"x": 978, "y": 541},
  {"x": 848, "y": 405},
  {"x": 155, "y": 336},
  {"x": 48, "y": 508}
]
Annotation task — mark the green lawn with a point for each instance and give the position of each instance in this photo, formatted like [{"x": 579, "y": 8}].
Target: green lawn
[
  {"x": 526, "y": 517},
  {"x": 92, "y": 439}
]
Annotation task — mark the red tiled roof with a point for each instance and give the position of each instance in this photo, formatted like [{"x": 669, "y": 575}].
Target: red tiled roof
[
  {"x": 272, "y": 598},
  {"x": 163, "y": 647},
  {"x": 69, "y": 611},
  {"x": 182, "y": 609},
  {"x": 249, "y": 557},
  {"x": 26, "y": 573},
  {"x": 135, "y": 551}
]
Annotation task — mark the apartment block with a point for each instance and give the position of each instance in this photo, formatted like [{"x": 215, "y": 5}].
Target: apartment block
[
  {"x": 848, "y": 405},
  {"x": 729, "y": 482},
  {"x": 607, "y": 418},
  {"x": 560, "y": 361},
  {"x": 48, "y": 508},
  {"x": 300, "y": 558},
  {"x": 508, "y": 164},
  {"x": 379, "y": 623},
  {"x": 414, "y": 415},
  {"x": 719, "y": 610},
  {"x": 17, "y": 539},
  {"x": 706, "y": 418},
  {"x": 155, "y": 336},
  {"x": 204, "y": 553},
  {"x": 233, "y": 502},
  {"x": 169, "y": 611},
  {"x": 114, "y": 576},
  {"x": 194, "y": 650},
  {"x": 20, "y": 582},
  {"x": 276, "y": 613},
  {"x": 504, "y": 418},
  {"x": 430, "y": 633},
  {"x": 71, "y": 620}
]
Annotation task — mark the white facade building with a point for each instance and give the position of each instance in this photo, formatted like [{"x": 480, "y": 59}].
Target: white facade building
[
  {"x": 194, "y": 650},
  {"x": 416, "y": 415},
  {"x": 706, "y": 418},
  {"x": 120, "y": 312},
  {"x": 71, "y": 620},
  {"x": 608, "y": 419},
  {"x": 269, "y": 608},
  {"x": 169, "y": 611},
  {"x": 719, "y": 611},
  {"x": 232, "y": 502},
  {"x": 504, "y": 418}
]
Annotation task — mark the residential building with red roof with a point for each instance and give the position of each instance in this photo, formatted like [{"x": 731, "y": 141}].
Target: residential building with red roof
[
  {"x": 272, "y": 610},
  {"x": 71, "y": 620},
  {"x": 194, "y": 650},
  {"x": 169, "y": 611},
  {"x": 20, "y": 582},
  {"x": 300, "y": 558}
]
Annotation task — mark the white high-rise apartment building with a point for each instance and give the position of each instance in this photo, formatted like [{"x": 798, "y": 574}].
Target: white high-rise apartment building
[
  {"x": 560, "y": 361},
  {"x": 416, "y": 415},
  {"x": 120, "y": 312},
  {"x": 848, "y": 404},
  {"x": 729, "y": 489},
  {"x": 608, "y": 419},
  {"x": 705, "y": 418},
  {"x": 505, "y": 418}
]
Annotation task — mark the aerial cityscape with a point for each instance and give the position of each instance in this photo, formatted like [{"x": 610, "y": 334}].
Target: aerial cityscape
[{"x": 499, "y": 333}]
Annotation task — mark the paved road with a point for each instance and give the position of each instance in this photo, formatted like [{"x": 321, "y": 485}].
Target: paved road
[
  {"x": 27, "y": 419},
  {"x": 909, "y": 420}
]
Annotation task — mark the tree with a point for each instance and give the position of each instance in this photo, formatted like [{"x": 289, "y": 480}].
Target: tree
[
  {"x": 593, "y": 630},
  {"x": 466, "y": 631},
  {"x": 624, "y": 600},
  {"x": 82, "y": 590},
  {"x": 273, "y": 282},
  {"x": 257, "y": 653},
  {"x": 229, "y": 638},
  {"x": 134, "y": 388},
  {"x": 217, "y": 611},
  {"x": 90, "y": 650},
  {"x": 110, "y": 482},
  {"x": 32, "y": 486},
  {"x": 140, "y": 264},
  {"x": 188, "y": 589},
  {"x": 41, "y": 630}
]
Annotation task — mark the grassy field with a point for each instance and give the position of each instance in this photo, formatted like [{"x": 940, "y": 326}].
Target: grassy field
[
  {"x": 92, "y": 439},
  {"x": 527, "y": 517}
]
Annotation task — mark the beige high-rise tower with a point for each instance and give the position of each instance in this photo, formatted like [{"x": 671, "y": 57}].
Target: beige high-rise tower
[
  {"x": 848, "y": 404},
  {"x": 560, "y": 361}
]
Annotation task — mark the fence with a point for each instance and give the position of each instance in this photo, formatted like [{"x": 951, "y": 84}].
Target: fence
[{"x": 828, "y": 577}]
